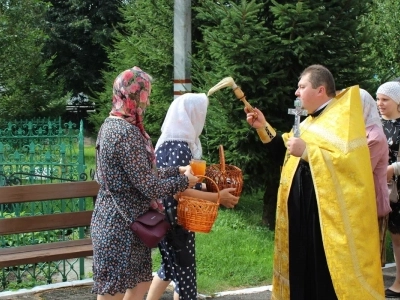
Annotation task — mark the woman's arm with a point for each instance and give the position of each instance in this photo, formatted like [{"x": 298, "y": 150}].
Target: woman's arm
[
  {"x": 168, "y": 172},
  {"x": 226, "y": 198},
  {"x": 134, "y": 159}
]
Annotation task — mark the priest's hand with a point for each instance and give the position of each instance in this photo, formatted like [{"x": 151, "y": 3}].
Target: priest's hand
[
  {"x": 296, "y": 146},
  {"x": 255, "y": 118}
]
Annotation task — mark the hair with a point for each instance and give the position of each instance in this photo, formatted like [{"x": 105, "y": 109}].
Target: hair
[{"x": 320, "y": 75}]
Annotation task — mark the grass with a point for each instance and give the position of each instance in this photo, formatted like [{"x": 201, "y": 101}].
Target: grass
[
  {"x": 389, "y": 248},
  {"x": 90, "y": 159},
  {"x": 237, "y": 253}
]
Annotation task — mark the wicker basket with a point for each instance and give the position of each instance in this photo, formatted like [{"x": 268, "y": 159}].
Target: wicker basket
[
  {"x": 196, "y": 214},
  {"x": 225, "y": 176}
]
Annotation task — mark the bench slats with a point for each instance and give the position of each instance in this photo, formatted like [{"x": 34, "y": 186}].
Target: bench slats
[
  {"x": 45, "y": 222},
  {"x": 54, "y": 251},
  {"x": 10, "y": 257},
  {"x": 50, "y": 191}
]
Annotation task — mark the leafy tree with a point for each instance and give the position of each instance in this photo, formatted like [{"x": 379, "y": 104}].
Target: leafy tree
[
  {"x": 146, "y": 42},
  {"x": 265, "y": 45},
  {"x": 26, "y": 90},
  {"x": 79, "y": 31},
  {"x": 384, "y": 29}
]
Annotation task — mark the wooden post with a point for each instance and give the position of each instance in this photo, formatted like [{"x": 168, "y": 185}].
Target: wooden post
[{"x": 182, "y": 47}]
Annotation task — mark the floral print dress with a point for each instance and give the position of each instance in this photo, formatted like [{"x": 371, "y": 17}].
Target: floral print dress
[
  {"x": 120, "y": 259},
  {"x": 392, "y": 132}
]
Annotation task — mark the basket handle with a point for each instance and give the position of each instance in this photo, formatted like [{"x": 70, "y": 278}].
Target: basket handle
[
  {"x": 216, "y": 185},
  {"x": 222, "y": 158}
]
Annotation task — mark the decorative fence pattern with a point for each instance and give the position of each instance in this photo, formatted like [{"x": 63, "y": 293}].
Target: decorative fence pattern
[
  {"x": 41, "y": 151},
  {"x": 34, "y": 152}
]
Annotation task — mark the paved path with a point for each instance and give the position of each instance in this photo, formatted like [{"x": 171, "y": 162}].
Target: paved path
[{"x": 83, "y": 292}]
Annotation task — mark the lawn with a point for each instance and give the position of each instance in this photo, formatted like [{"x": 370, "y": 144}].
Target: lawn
[{"x": 237, "y": 253}]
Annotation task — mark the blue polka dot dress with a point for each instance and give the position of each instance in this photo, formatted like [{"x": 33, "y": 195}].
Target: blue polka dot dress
[
  {"x": 120, "y": 259},
  {"x": 178, "y": 254}
]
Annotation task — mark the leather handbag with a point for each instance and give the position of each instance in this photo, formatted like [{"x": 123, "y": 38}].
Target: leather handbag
[
  {"x": 392, "y": 185},
  {"x": 151, "y": 227}
]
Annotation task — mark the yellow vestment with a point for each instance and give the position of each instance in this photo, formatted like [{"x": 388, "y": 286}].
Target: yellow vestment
[{"x": 340, "y": 165}]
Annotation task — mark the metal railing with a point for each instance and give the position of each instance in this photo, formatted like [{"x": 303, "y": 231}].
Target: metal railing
[{"x": 35, "y": 152}]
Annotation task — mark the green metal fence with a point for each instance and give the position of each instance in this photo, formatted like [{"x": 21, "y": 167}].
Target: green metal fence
[{"x": 34, "y": 152}]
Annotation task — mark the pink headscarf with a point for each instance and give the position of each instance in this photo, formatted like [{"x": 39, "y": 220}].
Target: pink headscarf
[{"x": 131, "y": 92}]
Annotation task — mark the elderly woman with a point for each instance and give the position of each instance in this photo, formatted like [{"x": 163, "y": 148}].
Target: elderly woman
[
  {"x": 379, "y": 156},
  {"x": 388, "y": 100},
  {"x": 179, "y": 142},
  {"x": 129, "y": 183}
]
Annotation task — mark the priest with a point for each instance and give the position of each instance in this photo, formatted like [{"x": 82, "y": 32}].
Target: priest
[{"x": 326, "y": 232}]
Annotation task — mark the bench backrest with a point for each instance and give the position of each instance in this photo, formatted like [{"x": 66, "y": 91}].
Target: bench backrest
[{"x": 44, "y": 192}]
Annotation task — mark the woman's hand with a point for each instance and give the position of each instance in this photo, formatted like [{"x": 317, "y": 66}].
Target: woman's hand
[
  {"x": 182, "y": 170},
  {"x": 390, "y": 173},
  {"x": 227, "y": 199},
  {"x": 192, "y": 179}
]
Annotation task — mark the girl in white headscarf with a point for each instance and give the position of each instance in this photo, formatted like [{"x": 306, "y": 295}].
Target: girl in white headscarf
[
  {"x": 179, "y": 142},
  {"x": 185, "y": 121},
  {"x": 388, "y": 100}
]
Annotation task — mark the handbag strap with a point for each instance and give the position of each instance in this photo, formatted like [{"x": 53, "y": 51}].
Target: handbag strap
[{"x": 98, "y": 162}]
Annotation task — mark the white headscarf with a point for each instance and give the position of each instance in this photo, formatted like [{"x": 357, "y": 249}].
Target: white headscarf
[
  {"x": 370, "y": 109},
  {"x": 390, "y": 89},
  {"x": 185, "y": 121}
]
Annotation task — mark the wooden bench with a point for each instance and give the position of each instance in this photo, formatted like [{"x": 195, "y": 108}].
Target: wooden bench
[{"x": 20, "y": 255}]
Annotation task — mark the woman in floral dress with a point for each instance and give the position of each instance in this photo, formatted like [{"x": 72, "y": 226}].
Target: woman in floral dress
[
  {"x": 178, "y": 144},
  {"x": 129, "y": 185}
]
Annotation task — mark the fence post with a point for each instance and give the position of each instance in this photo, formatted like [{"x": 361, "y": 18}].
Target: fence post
[{"x": 82, "y": 201}]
